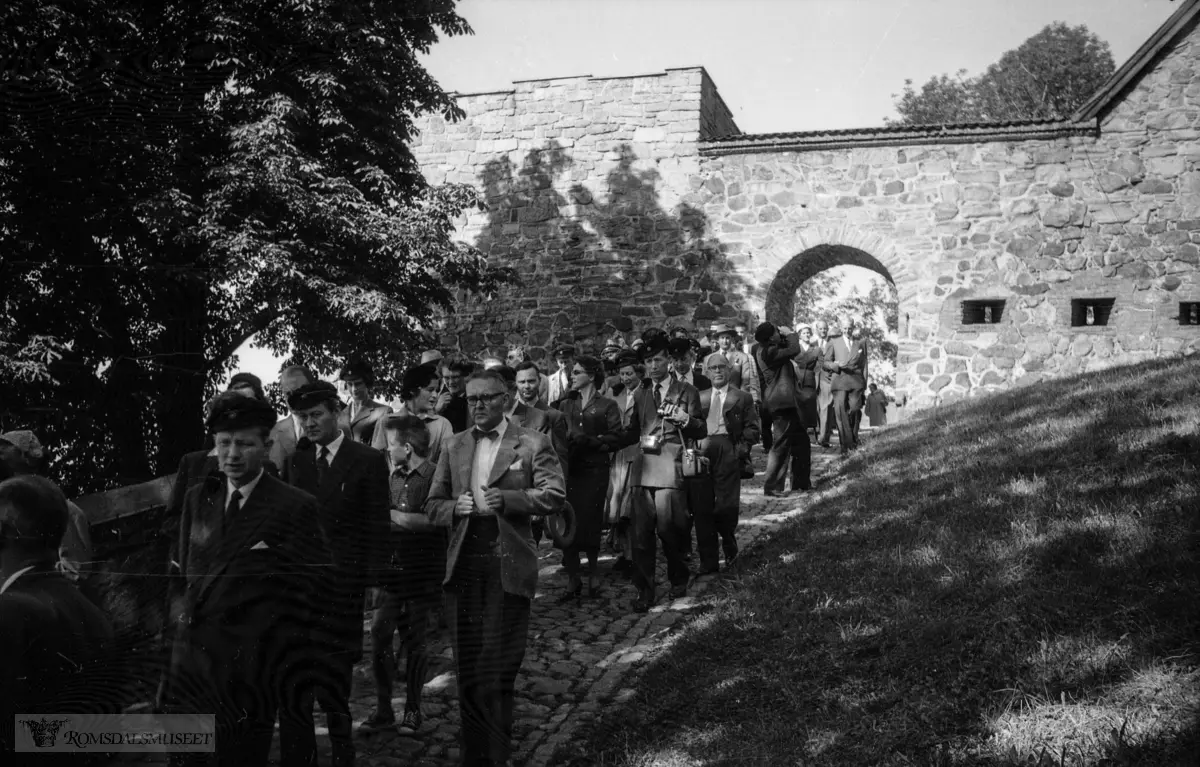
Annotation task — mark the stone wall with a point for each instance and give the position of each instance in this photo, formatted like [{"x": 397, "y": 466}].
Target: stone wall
[{"x": 620, "y": 208}]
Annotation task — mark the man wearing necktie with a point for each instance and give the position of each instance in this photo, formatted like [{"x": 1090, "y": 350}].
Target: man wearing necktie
[
  {"x": 732, "y": 424},
  {"x": 490, "y": 480},
  {"x": 666, "y": 413},
  {"x": 250, "y": 551},
  {"x": 350, "y": 482}
]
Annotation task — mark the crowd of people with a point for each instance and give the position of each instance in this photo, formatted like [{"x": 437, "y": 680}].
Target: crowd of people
[{"x": 284, "y": 530}]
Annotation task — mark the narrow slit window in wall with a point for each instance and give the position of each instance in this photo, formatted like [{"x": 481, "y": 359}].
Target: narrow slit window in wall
[
  {"x": 982, "y": 312},
  {"x": 1091, "y": 312},
  {"x": 1189, "y": 312}
]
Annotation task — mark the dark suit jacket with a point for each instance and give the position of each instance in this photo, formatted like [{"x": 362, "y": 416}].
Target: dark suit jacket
[
  {"x": 807, "y": 363},
  {"x": 546, "y": 421},
  {"x": 249, "y": 585},
  {"x": 456, "y": 412},
  {"x": 595, "y": 430},
  {"x": 779, "y": 377},
  {"x": 528, "y": 475},
  {"x": 741, "y": 419},
  {"x": 353, "y": 503},
  {"x": 362, "y": 428},
  {"x": 700, "y": 381},
  {"x": 51, "y": 636}
]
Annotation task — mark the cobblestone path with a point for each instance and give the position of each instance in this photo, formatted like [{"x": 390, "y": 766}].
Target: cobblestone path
[{"x": 577, "y": 657}]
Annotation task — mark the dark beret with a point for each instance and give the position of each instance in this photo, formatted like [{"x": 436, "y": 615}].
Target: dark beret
[
  {"x": 564, "y": 349},
  {"x": 764, "y": 332},
  {"x": 656, "y": 345},
  {"x": 627, "y": 357},
  {"x": 679, "y": 347},
  {"x": 248, "y": 379},
  {"x": 230, "y": 411},
  {"x": 313, "y": 394},
  {"x": 358, "y": 369}
]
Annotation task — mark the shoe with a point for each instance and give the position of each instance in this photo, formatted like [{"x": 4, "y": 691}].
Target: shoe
[
  {"x": 641, "y": 605},
  {"x": 593, "y": 587},
  {"x": 383, "y": 719},
  {"x": 573, "y": 593},
  {"x": 776, "y": 493},
  {"x": 731, "y": 561},
  {"x": 622, "y": 565},
  {"x": 411, "y": 723},
  {"x": 679, "y": 592},
  {"x": 823, "y": 444},
  {"x": 708, "y": 571}
]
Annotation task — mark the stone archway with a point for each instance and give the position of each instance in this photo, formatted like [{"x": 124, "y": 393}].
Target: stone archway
[{"x": 779, "y": 305}]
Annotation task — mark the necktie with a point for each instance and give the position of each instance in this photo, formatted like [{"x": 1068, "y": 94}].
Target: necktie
[
  {"x": 478, "y": 434},
  {"x": 235, "y": 504},
  {"x": 657, "y": 397},
  {"x": 322, "y": 464},
  {"x": 714, "y": 411}
]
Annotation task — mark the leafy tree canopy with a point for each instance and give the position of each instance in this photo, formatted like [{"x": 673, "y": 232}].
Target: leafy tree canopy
[
  {"x": 822, "y": 297},
  {"x": 1048, "y": 76},
  {"x": 176, "y": 177}
]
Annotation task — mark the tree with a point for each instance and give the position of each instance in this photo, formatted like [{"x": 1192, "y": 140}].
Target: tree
[
  {"x": 1048, "y": 76},
  {"x": 878, "y": 313},
  {"x": 178, "y": 177}
]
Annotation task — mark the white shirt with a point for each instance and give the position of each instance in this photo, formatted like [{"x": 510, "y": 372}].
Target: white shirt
[
  {"x": 332, "y": 447},
  {"x": 485, "y": 457},
  {"x": 13, "y": 578},
  {"x": 296, "y": 426},
  {"x": 662, "y": 388},
  {"x": 245, "y": 489},
  {"x": 686, "y": 378}
]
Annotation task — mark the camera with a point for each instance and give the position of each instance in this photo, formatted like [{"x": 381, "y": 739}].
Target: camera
[{"x": 666, "y": 408}]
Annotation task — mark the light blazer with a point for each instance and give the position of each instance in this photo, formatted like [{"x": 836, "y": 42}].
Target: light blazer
[
  {"x": 529, "y": 477},
  {"x": 362, "y": 428},
  {"x": 283, "y": 441},
  {"x": 546, "y": 421},
  {"x": 624, "y": 399},
  {"x": 741, "y": 420}
]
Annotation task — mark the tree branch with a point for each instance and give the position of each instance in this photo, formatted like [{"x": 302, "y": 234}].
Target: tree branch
[{"x": 256, "y": 324}]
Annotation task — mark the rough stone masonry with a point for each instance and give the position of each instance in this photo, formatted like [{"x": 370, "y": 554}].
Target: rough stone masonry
[{"x": 635, "y": 201}]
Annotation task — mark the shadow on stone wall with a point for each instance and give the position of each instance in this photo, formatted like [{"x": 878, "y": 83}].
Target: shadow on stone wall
[{"x": 591, "y": 263}]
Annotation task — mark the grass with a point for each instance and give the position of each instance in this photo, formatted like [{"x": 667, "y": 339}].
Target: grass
[{"x": 1011, "y": 580}]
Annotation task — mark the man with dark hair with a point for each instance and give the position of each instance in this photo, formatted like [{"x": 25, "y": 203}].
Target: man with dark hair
[
  {"x": 489, "y": 482},
  {"x": 530, "y": 389},
  {"x": 350, "y": 482},
  {"x": 560, "y": 380},
  {"x": 789, "y": 441},
  {"x": 22, "y": 453},
  {"x": 665, "y": 414},
  {"x": 249, "y": 547},
  {"x": 288, "y": 431},
  {"x": 544, "y": 420},
  {"x": 454, "y": 406},
  {"x": 412, "y": 577},
  {"x": 683, "y": 363},
  {"x": 517, "y": 358},
  {"x": 248, "y": 385},
  {"x": 51, "y": 633},
  {"x": 418, "y": 388},
  {"x": 363, "y": 414}
]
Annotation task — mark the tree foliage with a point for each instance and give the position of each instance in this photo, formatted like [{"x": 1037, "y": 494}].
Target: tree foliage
[
  {"x": 1048, "y": 76},
  {"x": 176, "y": 178},
  {"x": 822, "y": 297}
]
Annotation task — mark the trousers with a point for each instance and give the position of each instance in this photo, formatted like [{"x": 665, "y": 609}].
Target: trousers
[
  {"x": 658, "y": 513},
  {"x": 789, "y": 447}
]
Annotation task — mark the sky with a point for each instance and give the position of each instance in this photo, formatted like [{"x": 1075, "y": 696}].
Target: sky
[{"x": 780, "y": 65}]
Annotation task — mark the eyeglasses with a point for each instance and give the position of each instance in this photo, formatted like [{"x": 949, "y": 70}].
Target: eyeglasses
[{"x": 485, "y": 398}]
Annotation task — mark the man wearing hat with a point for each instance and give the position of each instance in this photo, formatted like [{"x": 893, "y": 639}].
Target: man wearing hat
[
  {"x": 250, "y": 551},
  {"x": 560, "y": 380},
  {"x": 431, "y": 357},
  {"x": 360, "y": 418},
  {"x": 350, "y": 482},
  {"x": 288, "y": 431},
  {"x": 789, "y": 441},
  {"x": 665, "y": 414},
  {"x": 741, "y": 367},
  {"x": 683, "y": 362}
]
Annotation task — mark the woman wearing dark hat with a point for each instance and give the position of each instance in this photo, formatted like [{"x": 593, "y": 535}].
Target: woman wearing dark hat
[
  {"x": 360, "y": 417},
  {"x": 595, "y": 431}
]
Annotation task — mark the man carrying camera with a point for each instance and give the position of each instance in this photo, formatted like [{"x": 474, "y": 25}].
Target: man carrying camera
[{"x": 664, "y": 415}]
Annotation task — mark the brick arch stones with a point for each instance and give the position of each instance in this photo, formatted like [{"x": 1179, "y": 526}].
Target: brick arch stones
[{"x": 780, "y": 303}]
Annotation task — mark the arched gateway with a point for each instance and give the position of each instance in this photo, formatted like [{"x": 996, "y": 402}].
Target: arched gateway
[{"x": 1000, "y": 239}]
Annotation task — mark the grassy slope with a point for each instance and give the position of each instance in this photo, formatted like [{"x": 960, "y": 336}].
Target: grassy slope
[{"x": 1010, "y": 580}]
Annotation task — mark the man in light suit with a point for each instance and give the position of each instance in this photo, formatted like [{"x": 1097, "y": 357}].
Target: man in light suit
[
  {"x": 742, "y": 373},
  {"x": 250, "y": 551},
  {"x": 845, "y": 361},
  {"x": 288, "y": 431},
  {"x": 350, "y": 482},
  {"x": 489, "y": 482},
  {"x": 52, "y": 635},
  {"x": 732, "y": 425},
  {"x": 825, "y": 417},
  {"x": 668, "y": 410},
  {"x": 361, "y": 416}
]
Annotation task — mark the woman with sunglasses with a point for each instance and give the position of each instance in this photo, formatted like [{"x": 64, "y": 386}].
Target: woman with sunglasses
[{"x": 594, "y": 422}]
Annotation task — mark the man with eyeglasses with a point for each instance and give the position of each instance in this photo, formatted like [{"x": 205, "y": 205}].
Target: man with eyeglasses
[
  {"x": 489, "y": 482},
  {"x": 451, "y": 402}
]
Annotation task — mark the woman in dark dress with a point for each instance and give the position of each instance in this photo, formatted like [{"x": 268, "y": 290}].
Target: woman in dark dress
[{"x": 594, "y": 422}]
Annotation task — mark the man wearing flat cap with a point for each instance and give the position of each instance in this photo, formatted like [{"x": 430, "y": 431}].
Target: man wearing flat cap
[
  {"x": 250, "y": 552},
  {"x": 665, "y": 414},
  {"x": 363, "y": 414},
  {"x": 560, "y": 380},
  {"x": 350, "y": 482}
]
